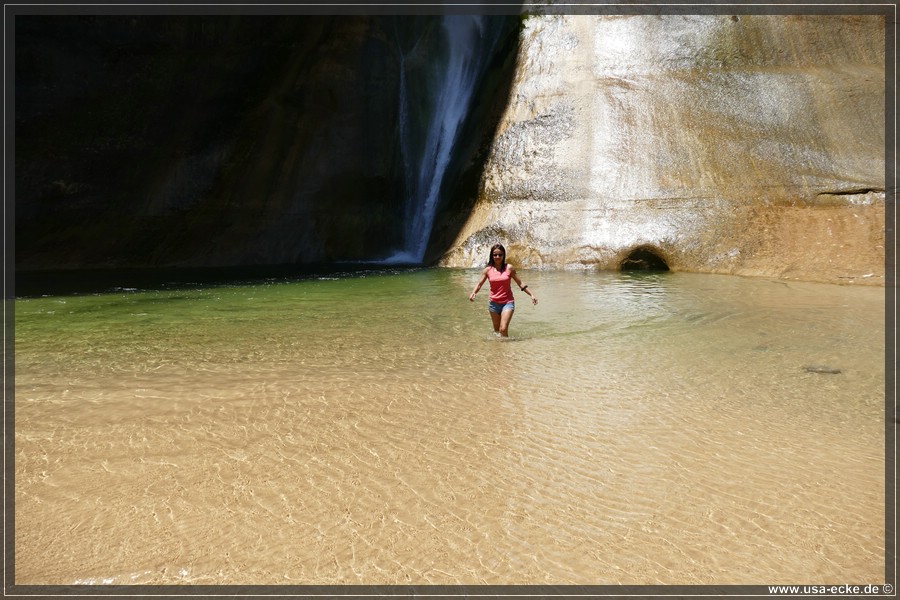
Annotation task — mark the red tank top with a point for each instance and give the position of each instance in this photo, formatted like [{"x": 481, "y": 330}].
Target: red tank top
[{"x": 501, "y": 289}]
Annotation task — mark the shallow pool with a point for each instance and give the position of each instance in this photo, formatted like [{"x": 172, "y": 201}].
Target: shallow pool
[{"x": 368, "y": 427}]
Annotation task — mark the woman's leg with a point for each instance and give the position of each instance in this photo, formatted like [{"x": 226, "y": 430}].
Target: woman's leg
[
  {"x": 505, "y": 318},
  {"x": 495, "y": 318}
]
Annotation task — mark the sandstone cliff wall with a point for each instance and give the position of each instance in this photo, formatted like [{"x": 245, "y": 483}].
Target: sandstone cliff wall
[{"x": 750, "y": 145}]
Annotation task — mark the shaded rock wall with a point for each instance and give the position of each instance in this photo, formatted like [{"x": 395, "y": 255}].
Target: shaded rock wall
[
  {"x": 730, "y": 144},
  {"x": 149, "y": 141}
]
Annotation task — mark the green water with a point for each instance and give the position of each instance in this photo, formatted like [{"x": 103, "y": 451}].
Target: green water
[
  {"x": 368, "y": 427},
  {"x": 282, "y": 321}
]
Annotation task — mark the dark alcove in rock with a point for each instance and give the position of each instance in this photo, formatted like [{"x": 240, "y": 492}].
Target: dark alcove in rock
[{"x": 644, "y": 259}]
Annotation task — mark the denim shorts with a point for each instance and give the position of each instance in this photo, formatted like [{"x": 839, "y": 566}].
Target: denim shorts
[{"x": 499, "y": 307}]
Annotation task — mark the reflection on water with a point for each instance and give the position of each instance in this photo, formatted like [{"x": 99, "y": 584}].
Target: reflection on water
[{"x": 370, "y": 429}]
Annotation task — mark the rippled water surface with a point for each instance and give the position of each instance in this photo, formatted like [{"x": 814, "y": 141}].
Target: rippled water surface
[{"x": 369, "y": 428}]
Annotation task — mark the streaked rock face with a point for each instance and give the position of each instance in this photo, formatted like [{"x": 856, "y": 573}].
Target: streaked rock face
[{"x": 731, "y": 144}]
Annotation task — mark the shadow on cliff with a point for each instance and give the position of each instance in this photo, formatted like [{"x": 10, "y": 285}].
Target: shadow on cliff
[{"x": 222, "y": 141}]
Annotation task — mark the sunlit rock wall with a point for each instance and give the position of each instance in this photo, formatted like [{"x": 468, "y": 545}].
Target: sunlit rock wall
[{"x": 750, "y": 145}]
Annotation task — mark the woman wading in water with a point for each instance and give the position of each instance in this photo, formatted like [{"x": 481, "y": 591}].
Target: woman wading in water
[{"x": 501, "y": 305}]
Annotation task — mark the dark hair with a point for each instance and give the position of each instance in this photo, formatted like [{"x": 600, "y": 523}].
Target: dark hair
[{"x": 490, "y": 261}]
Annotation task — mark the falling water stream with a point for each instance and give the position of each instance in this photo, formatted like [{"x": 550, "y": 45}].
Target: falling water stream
[
  {"x": 367, "y": 427},
  {"x": 451, "y": 79}
]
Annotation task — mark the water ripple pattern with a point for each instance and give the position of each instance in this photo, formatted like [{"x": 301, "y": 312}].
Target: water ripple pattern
[{"x": 369, "y": 428}]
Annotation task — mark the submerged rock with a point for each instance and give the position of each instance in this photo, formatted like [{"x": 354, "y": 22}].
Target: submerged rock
[{"x": 822, "y": 369}]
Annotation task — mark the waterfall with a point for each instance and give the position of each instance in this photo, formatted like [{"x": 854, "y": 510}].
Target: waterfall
[{"x": 427, "y": 151}]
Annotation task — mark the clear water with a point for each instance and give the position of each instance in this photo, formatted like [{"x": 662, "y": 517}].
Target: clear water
[{"x": 369, "y": 428}]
